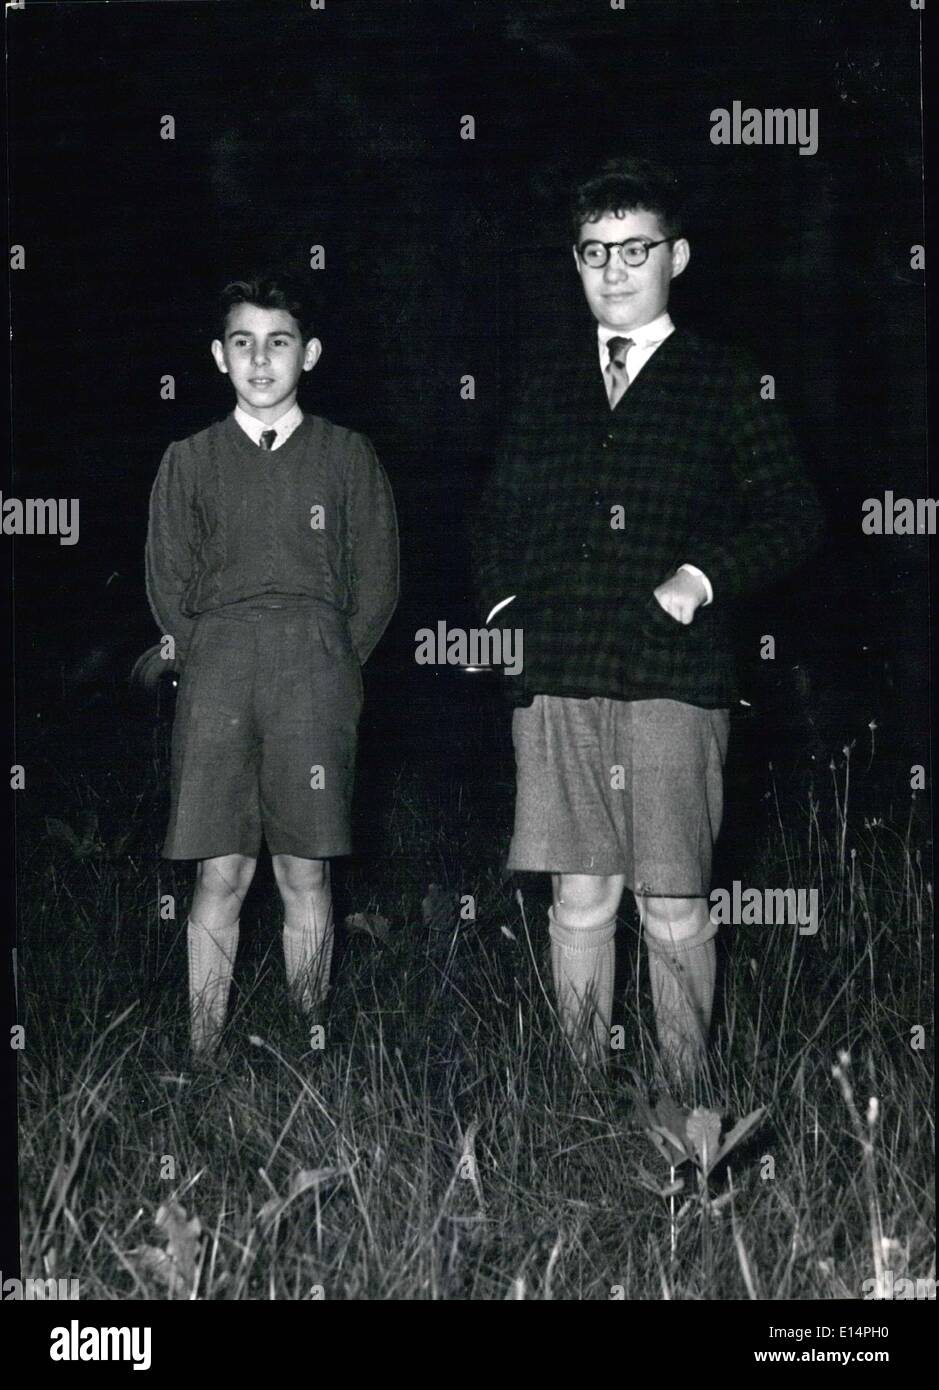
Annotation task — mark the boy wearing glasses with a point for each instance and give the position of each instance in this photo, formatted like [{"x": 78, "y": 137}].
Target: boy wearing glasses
[
  {"x": 272, "y": 561},
  {"x": 642, "y": 488}
]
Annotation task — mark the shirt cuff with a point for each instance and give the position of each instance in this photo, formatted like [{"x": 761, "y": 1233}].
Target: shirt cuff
[
  {"x": 504, "y": 603},
  {"x": 709, "y": 592}
]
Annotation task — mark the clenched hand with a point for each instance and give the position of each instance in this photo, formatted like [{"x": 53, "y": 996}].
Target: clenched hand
[{"x": 681, "y": 596}]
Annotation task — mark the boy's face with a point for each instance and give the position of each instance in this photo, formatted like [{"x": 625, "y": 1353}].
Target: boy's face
[
  {"x": 625, "y": 297},
  {"x": 264, "y": 354}
]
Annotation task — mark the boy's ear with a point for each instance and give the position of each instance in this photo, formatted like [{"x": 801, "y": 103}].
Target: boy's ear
[
  {"x": 681, "y": 255},
  {"x": 218, "y": 352},
  {"x": 312, "y": 354}
]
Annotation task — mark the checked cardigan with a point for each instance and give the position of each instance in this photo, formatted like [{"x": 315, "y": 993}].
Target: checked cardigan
[{"x": 705, "y": 472}]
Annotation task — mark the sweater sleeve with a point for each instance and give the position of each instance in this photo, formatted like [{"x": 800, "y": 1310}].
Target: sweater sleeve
[
  {"x": 373, "y": 543},
  {"x": 784, "y": 518},
  {"x": 170, "y": 549}
]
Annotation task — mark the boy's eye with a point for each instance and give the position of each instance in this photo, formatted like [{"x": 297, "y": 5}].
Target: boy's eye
[{"x": 246, "y": 342}]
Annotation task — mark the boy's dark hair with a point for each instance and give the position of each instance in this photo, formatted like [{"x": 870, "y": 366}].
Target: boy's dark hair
[
  {"x": 623, "y": 185},
  {"x": 272, "y": 290}
]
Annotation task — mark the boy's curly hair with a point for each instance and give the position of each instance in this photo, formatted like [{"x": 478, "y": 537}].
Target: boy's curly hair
[{"x": 623, "y": 185}]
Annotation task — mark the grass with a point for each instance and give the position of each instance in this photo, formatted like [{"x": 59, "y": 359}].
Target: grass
[{"x": 443, "y": 1145}]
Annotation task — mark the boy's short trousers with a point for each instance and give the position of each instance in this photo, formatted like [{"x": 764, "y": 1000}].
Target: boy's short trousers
[
  {"x": 631, "y": 787},
  {"x": 270, "y": 692}
]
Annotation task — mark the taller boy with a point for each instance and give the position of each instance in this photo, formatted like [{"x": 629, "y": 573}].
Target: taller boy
[
  {"x": 272, "y": 561},
  {"x": 642, "y": 487}
]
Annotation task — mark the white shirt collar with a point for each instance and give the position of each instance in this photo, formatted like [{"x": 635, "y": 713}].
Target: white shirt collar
[
  {"x": 647, "y": 335},
  {"x": 284, "y": 426}
]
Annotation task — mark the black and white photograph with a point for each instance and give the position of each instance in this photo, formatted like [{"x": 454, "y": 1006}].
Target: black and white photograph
[{"x": 466, "y": 550}]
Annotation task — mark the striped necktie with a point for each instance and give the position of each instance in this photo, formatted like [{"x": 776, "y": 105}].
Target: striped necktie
[
  {"x": 617, "y": 378},
  {"x": 267, "y": 439}
]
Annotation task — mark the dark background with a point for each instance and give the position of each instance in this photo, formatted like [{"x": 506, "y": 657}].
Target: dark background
[{"x": 445, "y": 257}]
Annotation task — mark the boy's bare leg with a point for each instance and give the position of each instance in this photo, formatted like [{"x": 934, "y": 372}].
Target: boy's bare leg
[
  {"x": 308, "y": 927},
  {"x": 582, "y": 926},
  {"x": 682, "y": 969},
  {"x": 212, "y": 938}
]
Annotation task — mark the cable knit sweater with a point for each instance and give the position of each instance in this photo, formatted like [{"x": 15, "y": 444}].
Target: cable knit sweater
[{"x": 230, "y": 521}]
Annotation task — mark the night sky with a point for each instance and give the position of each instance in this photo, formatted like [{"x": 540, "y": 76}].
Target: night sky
[{"x": 296, "y": 127}]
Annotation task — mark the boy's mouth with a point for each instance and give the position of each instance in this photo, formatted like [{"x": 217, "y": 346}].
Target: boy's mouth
[{"x": 261, "y": 380}]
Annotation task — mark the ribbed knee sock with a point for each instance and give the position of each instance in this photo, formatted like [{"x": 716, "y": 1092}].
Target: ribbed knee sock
[
  {"x": 682, "y": 975},
  {"x": 212, "y": 950},
  {"x": 308, "y": 953},
  {"x": 582, "y": 963}
]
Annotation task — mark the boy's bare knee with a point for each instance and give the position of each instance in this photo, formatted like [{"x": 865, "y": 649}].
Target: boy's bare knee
[
  {"x": 586, "y": 900},
  {"x": 673, "y": 919},
  {"x": 300, "y": 876},
  {"x": 228, "y": 876}
]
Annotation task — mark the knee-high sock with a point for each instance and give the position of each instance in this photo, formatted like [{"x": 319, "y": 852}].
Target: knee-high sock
[
  {"x": 582, "y": 964},
  {"x": 212, "y": 949},
  {"x": 308, "y": 950},
  {"x": 682, "y": 975}
]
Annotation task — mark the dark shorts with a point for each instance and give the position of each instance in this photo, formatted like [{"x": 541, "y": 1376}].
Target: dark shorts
[
  {"x": 620, "y": 787},
  {"x": 264, "y": 739}
]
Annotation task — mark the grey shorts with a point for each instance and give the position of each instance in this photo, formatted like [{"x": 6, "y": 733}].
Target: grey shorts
[
  {"x": 620, "y": 787},
  {"x": 265, "y": 735}
]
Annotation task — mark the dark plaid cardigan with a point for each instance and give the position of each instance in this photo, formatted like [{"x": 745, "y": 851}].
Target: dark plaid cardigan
[{"x": 706, "y": 472}]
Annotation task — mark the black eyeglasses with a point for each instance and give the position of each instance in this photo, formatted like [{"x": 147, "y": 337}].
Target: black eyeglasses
[{"x": 632, "y": 253}]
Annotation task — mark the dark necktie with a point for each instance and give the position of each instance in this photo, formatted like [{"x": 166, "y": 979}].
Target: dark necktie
[
  {"x": 617, "y": 378},
  {"x": 267, "y": 439}
]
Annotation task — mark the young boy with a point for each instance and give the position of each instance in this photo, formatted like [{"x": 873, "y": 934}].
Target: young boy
[
  {"x": 644, "y": 485},
  {"x": 272, "y": 562}
]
